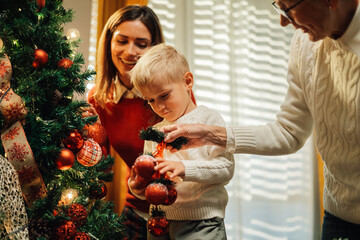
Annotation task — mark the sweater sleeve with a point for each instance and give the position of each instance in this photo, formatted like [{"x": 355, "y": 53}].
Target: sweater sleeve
[
  {"x": 209, "y": 164},
  {"x": 212, "y": 166},
  {"x": 293, "y": 123}
]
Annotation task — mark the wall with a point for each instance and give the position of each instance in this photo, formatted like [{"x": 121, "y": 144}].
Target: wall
[{"x": 81, "y": 21}]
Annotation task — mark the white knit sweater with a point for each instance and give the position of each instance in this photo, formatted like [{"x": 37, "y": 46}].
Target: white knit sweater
[
  {"x": 202, "y": 194},
  {"x": 324, "y": 93}
]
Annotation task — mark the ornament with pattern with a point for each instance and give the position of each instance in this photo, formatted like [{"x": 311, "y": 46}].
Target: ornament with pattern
[
  {"x": 65, "y": 230},
  {"x": 81, "y": 236},
  {"x": 90, "y": 154},
  {"x": 77, "y": 214},
  {"x": 97, "y": 132}
]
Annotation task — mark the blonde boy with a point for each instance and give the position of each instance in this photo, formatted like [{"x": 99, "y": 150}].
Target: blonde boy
[{"x": 164, "y": 79}]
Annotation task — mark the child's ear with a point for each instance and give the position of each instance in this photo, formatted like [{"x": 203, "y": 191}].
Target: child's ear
[{"x": 188, "y": 80}]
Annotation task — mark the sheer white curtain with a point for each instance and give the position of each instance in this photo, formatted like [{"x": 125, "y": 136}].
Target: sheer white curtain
[{"x": 238, "y": 53}]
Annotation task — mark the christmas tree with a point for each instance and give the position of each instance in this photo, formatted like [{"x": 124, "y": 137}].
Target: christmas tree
[{"x": 59, "y": 156}]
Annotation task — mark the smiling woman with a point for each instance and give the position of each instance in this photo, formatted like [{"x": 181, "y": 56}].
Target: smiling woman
[{"x": 126, "y": 36}]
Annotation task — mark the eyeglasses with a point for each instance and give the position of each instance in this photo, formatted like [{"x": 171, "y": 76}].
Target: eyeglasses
[{"x": 284, "y": 12}]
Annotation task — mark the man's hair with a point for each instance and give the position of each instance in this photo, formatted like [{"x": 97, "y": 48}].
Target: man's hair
[{"x": 161, "y": 62}]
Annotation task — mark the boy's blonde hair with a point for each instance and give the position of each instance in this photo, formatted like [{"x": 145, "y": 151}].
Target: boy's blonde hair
[{"x": 160, "y": 62}]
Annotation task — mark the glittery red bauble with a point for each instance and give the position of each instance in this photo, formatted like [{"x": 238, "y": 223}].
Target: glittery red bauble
[
  {"x": 65, "y": 63},
  {"x": 145, "y": 166},
  {"x": 66, "y": 230},
  {"x": 156, "y": 193},
  {"x": 98, "y": 191},
  {"x": 97, "y": 132},
  {"x": 77, "y": 214},
  {"x": 65, "y": 160},
  {"x": 172, "y": 195},
  {"x": 41, "y": 58},
  {"x": 90, "y": 154},
  {"x": 158, "y": 225},
  {"x": 41, "y": 3},
  {"x": 81, "y": 236},
  {"x": 74, "y": 141}
]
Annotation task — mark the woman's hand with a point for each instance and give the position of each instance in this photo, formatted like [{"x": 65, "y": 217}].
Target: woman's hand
[{"x": 197, "y": 134}]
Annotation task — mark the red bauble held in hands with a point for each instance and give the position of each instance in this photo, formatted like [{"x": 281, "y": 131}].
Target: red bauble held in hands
[
  {"x": 172, "y": 195},
  {"x": 156, "y": 193},
  {"x": 145, "y": 166},
  {"x": 158, "y": 225}
]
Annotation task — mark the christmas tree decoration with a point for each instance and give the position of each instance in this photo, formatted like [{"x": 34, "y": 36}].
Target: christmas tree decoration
[
  {"x": 65, "y": 63},
  {"x": 74, "y": 141},
  {"x": 81, "y": 236},
  {"x": 90, "y": 154},
  {"x": 1, "y": 43},
  {"x": 65, "y": 160},
  {"x": 97, "y": 132},
  {"x": 39, "y": 228},
  {"x": 158, "y": 224},
  {"x": 172, "y": 194},
  {"x": 41, "y": 4},
  {"x": 156, "y": 193},
  {"x": 99, "y": 190},
  {"x": 12, "y": 205},
  {"x": 77, "y": 214},
  {"x": 144, "y": 165},
  {"x": 37, "y": 114},
  {"x": 72, "y": 34},
  {"x": 14, "y": 139},
  {"x": 41, "y": 58},
  {"x": 65, "y": 230},
  {"x": 68, "y": 196},
  {"x": 152, "y": 134}
]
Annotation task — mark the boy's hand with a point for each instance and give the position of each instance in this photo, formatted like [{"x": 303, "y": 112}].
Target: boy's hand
[
  {"x": 175, "y": 168},
  {"x": 138, "y": 184}
]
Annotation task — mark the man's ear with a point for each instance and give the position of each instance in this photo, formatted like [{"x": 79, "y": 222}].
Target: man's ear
[{"x": 188, "y": 80}]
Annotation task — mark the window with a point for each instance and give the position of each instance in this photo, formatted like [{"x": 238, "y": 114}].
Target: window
[{"x": 238, "y": 53}]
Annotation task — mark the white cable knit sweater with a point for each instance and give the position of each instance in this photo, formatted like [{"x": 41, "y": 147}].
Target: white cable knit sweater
[
  {"x": 324, "y": 93},
  {"x": 202, "y": 194}
]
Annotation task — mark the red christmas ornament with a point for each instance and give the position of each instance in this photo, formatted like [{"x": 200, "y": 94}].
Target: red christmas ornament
[
  {"x": 81, "y": 236},
  {"x": 41, "y": 3},
  {"x": 65, "y": 160},
  {"x": 90, "y": 154},
  {"x": 144, "y": 182},
  {"x": 41, "y": 58},
  {"x": 97, "y": 132},
  {"x": 74, "y": 141},
  {"x": 98, "y": 191},
  {"x": 158, "y": 225},
  {"x": 77, "y": 214},
  {"x": 65, "y": 63},
  {"x": 66, "y": 230},
  {"x": 156, "y": 193},
  {"x": 145, "y": 166},
  {"x": 172, "y": 195}
]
